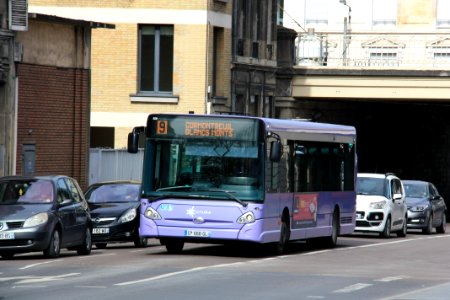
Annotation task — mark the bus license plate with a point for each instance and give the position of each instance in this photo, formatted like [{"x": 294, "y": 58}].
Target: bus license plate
[
  {"x": 100, "y": 230},
  {"x": 7, "y": 235},
  {"x": 197, "y": 233}
]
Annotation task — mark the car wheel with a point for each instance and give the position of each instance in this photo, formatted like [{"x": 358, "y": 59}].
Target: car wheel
[
  {"x": 85, "y": 248},
  {"x": 101, "y": 245},
  {"x": 387, "y": 228},
  {"x": 404, "y": 231},
  {"x": 429, "y": 227},
  {"x": 140, "y": 242},
  {"x": 174, "y": 246},
  {"x": 441, "y": 228},
  {"x": 54, "y": 247},
  {"x": 7, "y": 255}
]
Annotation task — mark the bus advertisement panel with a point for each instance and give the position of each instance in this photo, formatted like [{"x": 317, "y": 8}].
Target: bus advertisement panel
[{"x": 220, "y": 179}]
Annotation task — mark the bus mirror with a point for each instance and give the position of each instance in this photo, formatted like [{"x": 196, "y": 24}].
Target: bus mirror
[
  {"x": 133, "y": 142},
  {"x": 275, "y": 151}
]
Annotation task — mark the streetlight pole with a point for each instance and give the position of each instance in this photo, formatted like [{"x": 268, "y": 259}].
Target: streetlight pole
[{"x": 347, "y": 29}]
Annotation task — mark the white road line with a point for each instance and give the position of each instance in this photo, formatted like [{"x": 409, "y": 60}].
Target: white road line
[
  {"x": 353, "y": 287},
  {"x": 41, "y": 263},
  {"x": 160, "y": 276},
  {"x": 392, "y": 278},
  {"x": 39, "y": 279}
]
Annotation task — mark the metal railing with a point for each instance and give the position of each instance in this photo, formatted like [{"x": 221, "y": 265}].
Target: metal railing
[{"x": 374, "y": 50}]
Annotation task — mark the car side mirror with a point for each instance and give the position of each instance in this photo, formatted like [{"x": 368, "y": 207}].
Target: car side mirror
[
  {"x": 275, "y": 151},
  {"x": 397, "y": 197}
]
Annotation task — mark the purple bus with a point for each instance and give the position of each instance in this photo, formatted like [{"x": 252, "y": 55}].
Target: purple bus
[{"x": 225, "y": 179}]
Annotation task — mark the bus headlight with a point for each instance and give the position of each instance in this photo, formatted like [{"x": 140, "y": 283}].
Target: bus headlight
[
  {"x": 246, "y": 218},
  {"x": 128, "y": 216},
  {"x": 36, "y": 220},
  {"x": 152, "y": 214}
]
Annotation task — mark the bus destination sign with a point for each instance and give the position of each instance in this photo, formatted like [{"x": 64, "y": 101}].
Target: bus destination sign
[{"x": 189, "y": 127}]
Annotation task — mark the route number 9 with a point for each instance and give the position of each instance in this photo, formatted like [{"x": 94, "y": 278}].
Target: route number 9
[{"x": 162, "y": 127}]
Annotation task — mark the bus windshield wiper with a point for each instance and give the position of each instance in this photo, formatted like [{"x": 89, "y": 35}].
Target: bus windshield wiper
[
  {"x": 177, "y": 187},
  {"x": 228, "y": 193}
]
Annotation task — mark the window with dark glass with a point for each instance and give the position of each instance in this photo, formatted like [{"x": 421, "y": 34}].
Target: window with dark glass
[{"x": 155, "y": 59}]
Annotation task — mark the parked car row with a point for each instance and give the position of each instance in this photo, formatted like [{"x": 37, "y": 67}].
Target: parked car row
[
  {"x": 386, "y": 204},
  {"x": 48, "y": 213}
]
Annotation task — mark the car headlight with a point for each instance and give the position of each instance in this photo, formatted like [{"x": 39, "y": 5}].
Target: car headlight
[
  {"x": 152, "y": 214},
  {"x": 377, "y": 205},
  {"x": 38, "y": 219},
  {"x": 246, "y": 218},
  {"x": 128, "y": 216},
  {"x": 419, "y": 208}
]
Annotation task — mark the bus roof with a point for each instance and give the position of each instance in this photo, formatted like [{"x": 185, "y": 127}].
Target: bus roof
[{"x": 294, "y": 129}]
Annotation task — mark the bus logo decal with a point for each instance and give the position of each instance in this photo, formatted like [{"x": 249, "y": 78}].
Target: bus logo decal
[{"x": 192, "y": 212}]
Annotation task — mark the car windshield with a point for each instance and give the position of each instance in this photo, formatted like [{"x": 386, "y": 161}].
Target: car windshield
[
  {"x": 30, "y": 191},
  {"x": 370, "y": 186},
  {"x": 113, "y": 193},
  {"x": 415, "y": 190}
]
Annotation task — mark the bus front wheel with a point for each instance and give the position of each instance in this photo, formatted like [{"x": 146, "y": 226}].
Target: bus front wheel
[{"x": 173, "y": 246}]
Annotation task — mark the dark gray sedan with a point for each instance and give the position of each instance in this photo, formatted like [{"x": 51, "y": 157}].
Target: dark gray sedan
[
  {"x": 44, "y": 213},
  {"x": 426, "y": 208}
]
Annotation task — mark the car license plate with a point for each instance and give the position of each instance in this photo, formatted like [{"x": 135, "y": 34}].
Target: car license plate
[
  {"x": 7, "y": 235},
  {"x": 100, "y": 230},
  {"x": 197, "y": 233}
]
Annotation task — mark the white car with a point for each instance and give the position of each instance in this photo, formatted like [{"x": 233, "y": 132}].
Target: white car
[{"x": 380, "y": 204}]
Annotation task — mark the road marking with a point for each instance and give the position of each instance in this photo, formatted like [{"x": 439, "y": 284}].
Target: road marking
[
  {"x": 41, "y": 263},
  {"x": 344, "y": 290},
  {"x": 416, "y": 292},
  {"x": 160, "y": 276},
  {"x": 91, "y": 286},
  {"x": 39, "y": 279},
  {"x": 177, "y": 273},
  {"x": 389, "y": 279},
  {"x": 353, "y": 287}
]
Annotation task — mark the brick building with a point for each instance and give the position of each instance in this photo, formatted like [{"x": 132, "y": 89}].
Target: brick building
[
  {"x": 163, "y": 56},
  {"x": 53, "y": 83}
]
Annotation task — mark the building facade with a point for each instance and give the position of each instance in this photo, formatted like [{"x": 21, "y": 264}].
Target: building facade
[
  {"x": 163, "y": 56},
  {"x": 382, "y": 66},
  {"x": 12, "y": 19}
]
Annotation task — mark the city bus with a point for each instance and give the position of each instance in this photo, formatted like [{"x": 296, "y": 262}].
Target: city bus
[{"x": 228, "y": 178}]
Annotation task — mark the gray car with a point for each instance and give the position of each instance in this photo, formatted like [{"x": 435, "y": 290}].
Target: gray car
[
  {"x": 43, "y": 214},
  {"x": 426, "y": 208}
]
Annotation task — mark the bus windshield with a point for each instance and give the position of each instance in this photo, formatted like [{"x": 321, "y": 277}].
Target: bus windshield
[{"x": 214, "y": 158}]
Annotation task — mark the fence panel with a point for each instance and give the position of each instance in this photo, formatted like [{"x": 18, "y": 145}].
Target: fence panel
[{"x": 114, "y": 164}]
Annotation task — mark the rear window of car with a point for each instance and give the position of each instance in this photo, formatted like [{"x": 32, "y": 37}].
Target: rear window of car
[{"x": 113, "y": 193}]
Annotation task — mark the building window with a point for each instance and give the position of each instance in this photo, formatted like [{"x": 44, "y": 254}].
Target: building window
[
  {"x": 443, "y": 13},
  {"x": 441, "y": 59},
  {"x": 383, "y": 59},
  {"x": 384, "y": 13},
  {"x": 316, "y": 12},
  {"x": 155, "y": 59},
  {"x": 102, "y": 137}
]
